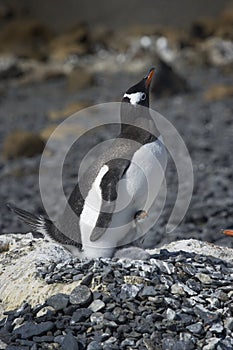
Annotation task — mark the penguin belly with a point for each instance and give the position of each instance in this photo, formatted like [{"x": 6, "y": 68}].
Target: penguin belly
[{"x": 137, "y": 191}]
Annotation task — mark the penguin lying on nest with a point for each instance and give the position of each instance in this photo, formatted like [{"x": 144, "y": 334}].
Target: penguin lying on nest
[{"x": 99, "y": 227}]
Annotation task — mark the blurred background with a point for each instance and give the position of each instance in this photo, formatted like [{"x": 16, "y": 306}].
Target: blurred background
[{"x": 57, "y": 58}]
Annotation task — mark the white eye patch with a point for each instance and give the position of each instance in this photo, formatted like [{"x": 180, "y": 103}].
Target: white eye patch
[{"x": 136, "y": 97}]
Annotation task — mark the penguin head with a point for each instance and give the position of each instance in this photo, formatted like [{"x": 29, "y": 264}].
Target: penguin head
[{"x": 139, "y": 94}]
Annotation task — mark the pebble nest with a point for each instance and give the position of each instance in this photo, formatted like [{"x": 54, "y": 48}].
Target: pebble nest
[{"x": 172, "y": 301}]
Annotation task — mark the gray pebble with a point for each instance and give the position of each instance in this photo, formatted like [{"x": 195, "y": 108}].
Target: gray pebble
[
  {"x": 96, "y": 305},
  {"x": 58, "y": 301},
  {"x": 81, "y": 295}
]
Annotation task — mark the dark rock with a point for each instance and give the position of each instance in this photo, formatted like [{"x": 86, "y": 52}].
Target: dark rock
[
  {"x": 127, "y": 342},
  {"x": 44, "y": 339},
  {"x": 71, "y": 343},
  {"x": 229, "y": 323},
  {"x": 69, "y": 310},
  {"x": 148, "y": 291},
  {"x": 81, "y": 295},
  {"x": 9, "y": 68},
  {"x": 168, "y": 82},
  {"x": 87, "y": 279},
  {"x": 195, "y": 328},
  {"x": 97, "y": 317},
  {"x": 206, "y": 315},
  {"x": 129, "y": 291},
  {"x": 96, "y": 305},
  {"x": 59, "y": 339},
  {"x": 80, "y": 315},
  {"x": 202, "y": 28},
  {"x": 30, "y": 329},
  {"x": 216, "y": 328},
  {"x": 94, "y": 345},
  {"x": 58, "y": 301}
]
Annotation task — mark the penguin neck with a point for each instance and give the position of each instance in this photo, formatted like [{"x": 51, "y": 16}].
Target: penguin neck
[{"x": 137, "y": 124}]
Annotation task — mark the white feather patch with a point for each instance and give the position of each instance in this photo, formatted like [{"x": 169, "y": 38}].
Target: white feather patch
[
  {"x": 92, "y": 206},
  {"x": 41, "y": 226},
  {"x": 135, "y": 97}
]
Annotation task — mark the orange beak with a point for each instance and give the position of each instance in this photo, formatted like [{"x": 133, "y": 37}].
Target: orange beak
[
  {"x": 228, "y": 232},
  {"x": 149, "y": 77}
]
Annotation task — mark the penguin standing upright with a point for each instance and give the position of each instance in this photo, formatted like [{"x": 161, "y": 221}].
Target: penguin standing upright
[{"x": 115, "y": 193}]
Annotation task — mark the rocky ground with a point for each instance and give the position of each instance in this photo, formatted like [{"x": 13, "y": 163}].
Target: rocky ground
[
  {"x": 179, "y": 297},
  {"x": 177, "y": 300}
]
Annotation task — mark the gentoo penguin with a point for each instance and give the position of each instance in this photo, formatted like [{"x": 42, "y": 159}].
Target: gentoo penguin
[{"x": 112, "y": 196}]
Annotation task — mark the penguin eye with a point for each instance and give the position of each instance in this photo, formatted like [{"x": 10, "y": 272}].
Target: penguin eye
[{"x": 143, "y": 96}]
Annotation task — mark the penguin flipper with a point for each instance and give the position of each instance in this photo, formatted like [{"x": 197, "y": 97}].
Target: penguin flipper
[
  {"x": 36, "y": 222},
  {"x": 117, "y": 169},
  {"x": 40, "y": 224}
]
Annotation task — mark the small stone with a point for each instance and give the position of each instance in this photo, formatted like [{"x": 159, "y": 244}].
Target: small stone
[
  {"x": 4, "y": 245},
  {"x": 216, "y": 328},
  {"x": 195, "y": 328},
  {"x": 206, "y": 315},
  {"x": 94, "y": 345},
  {"x": 81, "y": 295},
  {"x": 129, "y": 291},
  {"x": 58, "y": 301},
  {"x": 214, "y": 303},
  {"x": 163, "y": 266},
  {"x": 174, "y": 303},
  {"x": 97, "y": 317},
  {"x": 9, "y": 68},
  {"x": 78, "y": 277},
  {"x": 44, "y": 311},
  {"x": 43, "y": 339},
  {"x": 30, "y": 329},
  {"x": 219, "y": 294},
  {"x": 87, "y": 279},
  {"x": 18, "y": 321},
  {"x": 225, "y": 344},
  {"x": 127, "y": 342},
  {"x": 2, "y": 345},
  {"x": 148, "y": 291},
  {"x": 110, "y": 340},
  {"x": 80, "y": 315},
  {"x": 211, "y": 344},
  {"x": 70, "y": 342},
  {"x": 96, "y": 305},
  {"x": 228, "y": 323},
  {"x": 203, "y": 278},
  {"x": 168, "y": 82},
  {"x": 177, "y": 289},
  {"x": 170, "y": 314},
  {"x": 59, "y": 339},
  {"x": 189, "y": 269},
  {"x": 110, "y": 324}
]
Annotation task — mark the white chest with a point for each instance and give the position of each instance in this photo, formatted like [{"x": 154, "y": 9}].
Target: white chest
[{"x": 136, "y": 191}]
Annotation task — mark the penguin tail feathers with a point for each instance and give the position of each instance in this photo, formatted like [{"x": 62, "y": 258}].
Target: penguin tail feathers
[{"x": 37, "y": 222}]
